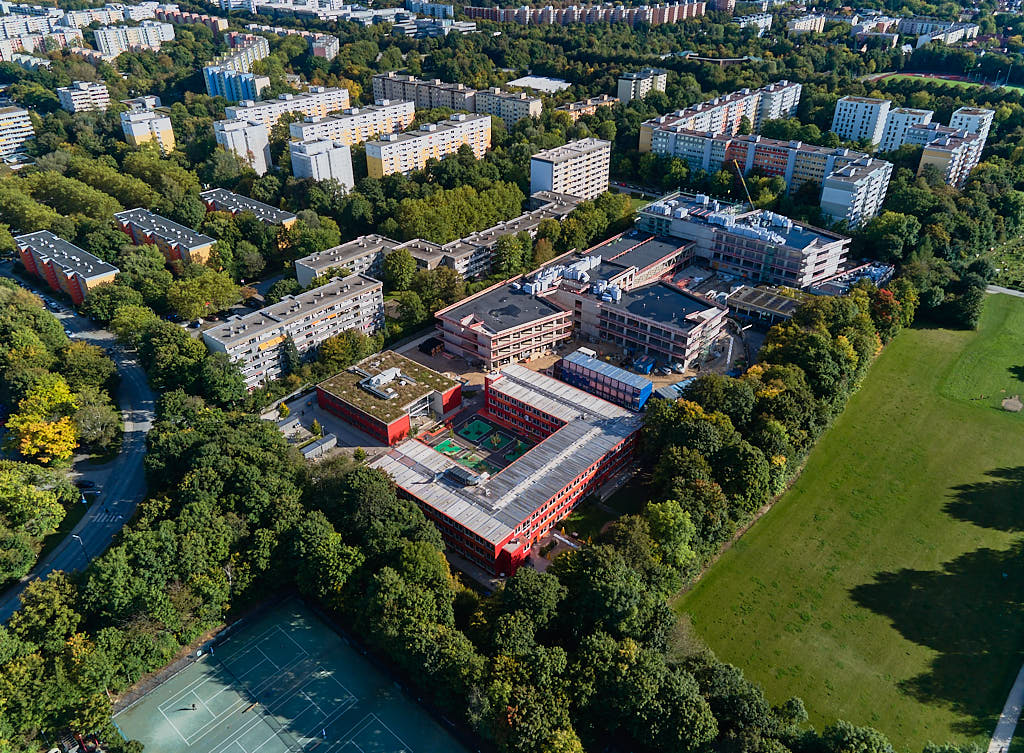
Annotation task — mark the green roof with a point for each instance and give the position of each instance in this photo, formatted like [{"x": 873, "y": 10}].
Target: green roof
[{"x": 345, "y": 385}]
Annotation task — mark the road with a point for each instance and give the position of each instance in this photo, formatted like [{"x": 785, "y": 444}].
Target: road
[
  {"x": 995, "y": 289},
  {"x": 121, "y": 482}
]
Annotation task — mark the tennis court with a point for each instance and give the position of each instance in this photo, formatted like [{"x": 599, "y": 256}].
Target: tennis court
[
  {"x": 475, "y": 430},
  {"x": 286, "y": 682}
]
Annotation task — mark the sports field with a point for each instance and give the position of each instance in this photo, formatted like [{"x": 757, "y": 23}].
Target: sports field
[
  {"x": 883, "y": 588},
  {"x": 286, "y": 682},
  {"x": 932, "y": 79}
]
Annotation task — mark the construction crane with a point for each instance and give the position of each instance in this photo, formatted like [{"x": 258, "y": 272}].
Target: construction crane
[{"x": 744, "y": 183}]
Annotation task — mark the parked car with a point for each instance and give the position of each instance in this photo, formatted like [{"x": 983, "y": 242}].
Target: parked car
[
  {"x": 84, "y": 483},
  {"x": 664, "y": 371}
]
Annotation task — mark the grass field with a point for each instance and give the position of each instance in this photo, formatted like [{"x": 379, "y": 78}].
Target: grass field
[
  {"x": 883, "y": 588},
  {"x": 932, "y": 80}
]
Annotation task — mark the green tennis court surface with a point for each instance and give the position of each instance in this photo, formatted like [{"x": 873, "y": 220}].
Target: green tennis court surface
[
  {"x": 475, "y": 430},
  {"x": 286, "y": 682},
  {"x": 448, "y": 447}
]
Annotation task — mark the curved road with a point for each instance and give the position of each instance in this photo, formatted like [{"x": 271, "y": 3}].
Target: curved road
[{"x": 121, "y": 482}]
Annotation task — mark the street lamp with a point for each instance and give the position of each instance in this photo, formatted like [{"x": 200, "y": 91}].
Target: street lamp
[{"x": 81, "y": 543}]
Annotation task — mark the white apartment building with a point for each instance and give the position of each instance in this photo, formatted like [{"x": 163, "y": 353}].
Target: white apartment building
[
  {"x": 953, "y": 152},
  {"x": 20, "y": 25},
  {"x": 855, "y": 191},
  {"x": 142, "y": 126},
  {"x": 61, "y": 37},
  {"x": 83, "y": 96},
  {"x": 317, "y": 102},
  {"x": 113, "y": 40},
  {"x": 510, "y": 107},
  {"x": 639, "y": 85},
  {"x": 323, "y": 159},
  {"x": 860, "y": 118},
  {"x": 760, "y": 21},
  {"x": 975, "y": 120},
  {"x": 248, "y": 139},
  {"x": 809, "y": 23},
  {"x": 15, "y": 130},
  {"x": 357, "y": 124},
  {"x": 425, "y": 94},
  {"x": 898, "y": 122},
  {"x": 580, "y": 168},
  {"x": 256, "y": 341},
  {"x": 409, "y": 151}
]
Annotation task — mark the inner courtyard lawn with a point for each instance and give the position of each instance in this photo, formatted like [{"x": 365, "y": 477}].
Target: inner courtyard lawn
[{"x": 884, "y": 587}]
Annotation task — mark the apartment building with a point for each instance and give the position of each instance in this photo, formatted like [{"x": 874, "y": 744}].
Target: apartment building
[
  {"x": 469, "y": 257},
  {"x": 587, "y": 106},
  {"x": 855, "y": 192},
  {"x": 233, "y": 85},
  {"x": 509, "y": 106},
  {"x": 653, "y": 15},
  {"x": 323, "y": 159},
  {"x": 860, "y": 119},
  {"x": 257, "y": 341},
  {"x": 63, "y": 265},
  {"x": 177, "y": 242},
  {"x": 15, "y": 129},
  {"x": 113, "y": 40},
  {"x": 723, "y": 115},
  {"x": 810, "y": 23},
  {"x": 222, "y": 200},
  {"x": 756, "y": 245},
  {"x": 952, "y": 35},
  {"x": 434, "y": 10},
  {"x": 357, "y": 124},
  {"x": 976, "y": 120},
  {"x": 248, "y": 139},
  {"x": 84, "y": 96},
  {"x": 142, "y": 126},
  {"x": 245, "y": 49},
  {"x": 424, "y": 94},
  {"x": 953, "y": 152},
  {"x": 761, "y": 22},
  {"x": 171, "y": 14},
  {"x": 494, "y": 521},
  {"x": 580, "y": 168},
  {"x": 898, "y": 122},
  {"x": 23, "y": 25},
  {"x": 409, "y": 151},
  {"x": 59, "y": 38},
  {"x": 320, "y": 45},
  {"x": 317, "y": 102},
  {"x": 641, "y": 83}
]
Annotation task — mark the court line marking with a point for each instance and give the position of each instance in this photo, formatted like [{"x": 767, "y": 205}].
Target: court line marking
[
  {"x": 408, "y": 748},
  {"x": 175, "y": 728}
]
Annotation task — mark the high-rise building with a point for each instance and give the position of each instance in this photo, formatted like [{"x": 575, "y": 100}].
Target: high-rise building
[
  {"x": 233, "y": 85},
  {"x": 860, "y": 119},
  {"x": 83, "y": 96},
  {"x": 248, "y": 139},
  {"x": 317, "y": 102},
  {"x": 176, "y": 242},
  {"x": 113, "y": 40},
  {"x": 409, "y": 151},
  {"x": 15, "y": 129},
  {"x": 63, "y": 265},
  {"x": 723, "y": 6},
  {"x": 977, "y": 120},
  {"x": 897, "y": 123},
  {"x": 724, "y": 115},
  {"x": 142, "y": 126},
  {"x": 855, "y": 191},
  {"x": 425, "y": 94},
  {"x": 808, "y": 23},
  {"x": 171, "y": 14},
  {"x": 639, "y": 84},
  {"x": 357, "y": 124},
  {"x": 653, "y": 15},
  {"x": 587, "y": 106},
  {"x": 953, "y": 152},
  {"x": 762, "y": 22},
  {"x": 257, "y": 341},
  {"x": 323, "y": 159},
  {"x": 580, "y": 168},
  {"x": 509, "y": 106}
]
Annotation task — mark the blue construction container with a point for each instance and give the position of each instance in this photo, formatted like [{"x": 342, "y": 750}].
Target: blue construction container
[{"x": 606, "y": 381}]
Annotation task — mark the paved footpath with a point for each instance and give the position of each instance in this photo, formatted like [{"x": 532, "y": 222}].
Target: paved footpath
[
  {"x": 1008, "y": 719},
  {"x": 1004, "y": 291}
]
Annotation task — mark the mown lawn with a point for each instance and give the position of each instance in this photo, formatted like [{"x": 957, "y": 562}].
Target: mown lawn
[{"x": 884, "y": 587}]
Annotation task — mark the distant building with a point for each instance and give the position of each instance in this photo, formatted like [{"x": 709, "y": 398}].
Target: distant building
[
  {"x": 83, "y": 96},
  {"x": 409, "y": 151},
  {"x": 113, "y": 40},
  {"x": 317, "y": 102},
  {"x": 248, "y": 139},
  {"x": 808, "y": 23},
  {"x": 63, "y": 265},
  {"x": 323, "y": 159},
  {"x": 434, "y": 10},
  {"x": 357, "y": 124},
  {"x": 653, "y": 15},
  {"x": 897, "y": 122},
  {"x": 762, "y": 22},
  {"x": 256, "y": 341},
  {"x": 230, "y": 75},
  {"x": 425, "y": 94},
  {"x": 320, "y": 45},
  {"x": 638, "y": 85},
  {"x": 860, "y": 119},
  {"x": 587, "y": 106},
  {"x": 177, "y": 242},
  {"x": 580, "y": 168},
  {"x": 509, "y": 106},
  {"x": 222, "y": 200},
  {"x": 430, "y": 28},
  {"x": 724, "y": 6},
  {"x": 171, "y": 14},
  {"x": 15, "y": 129},
  {"x": 381, "y": 395},
  {"x": 142, "y": 126}
]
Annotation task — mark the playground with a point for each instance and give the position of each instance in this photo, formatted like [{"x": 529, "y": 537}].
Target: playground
[
  {"x": 479, "y": 444},
  {"x": 285, "y": 682}
]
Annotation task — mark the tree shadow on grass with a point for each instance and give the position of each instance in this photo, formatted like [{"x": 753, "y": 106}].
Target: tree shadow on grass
[
  {"x": 996, "y": 504},
  {"x": 972, "y": 614},
  {"x": 1017, "y": 372}
]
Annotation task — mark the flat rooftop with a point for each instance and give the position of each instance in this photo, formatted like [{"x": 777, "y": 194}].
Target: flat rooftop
[
  {"x": 760, "y": 299},
  {"x": 664, "y": 303},
  {"x": 235, "y": 203},
  {"x": 339, "y": 256},
  {"x": 609, "y": 370},
  {"x": 503, "y": 308},
  {"x": 65, "y": 255},
  {"x": 429, "y": 129},
  {"x": 647, "y": 253},
  {"x": 540, "y": 83},
  {"x": 573, "y": 150},
  {"x": 495, "y": 506},
  {"x": 163, "y": 228},
  {"x": 421, "y": 381}
]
